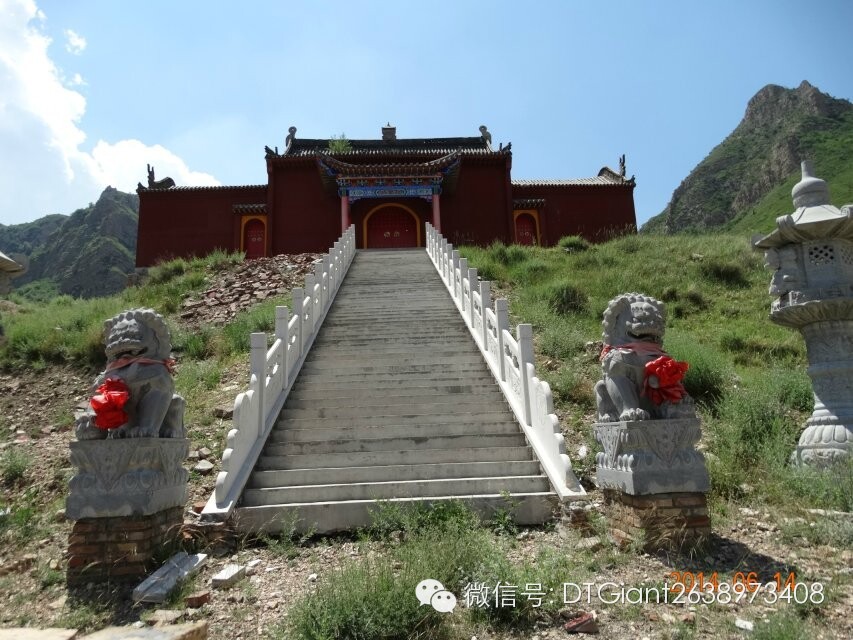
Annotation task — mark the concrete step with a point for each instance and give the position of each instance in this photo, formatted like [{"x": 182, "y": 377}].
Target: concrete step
[
  {"x": 371, "y": 361},
  {"x": 454, "y": 369},
  {"x": 289, "y": 460},
  {"x": 276, "y": 448},
  {"x": 329, "y": 517},
  {"x": 286, "y": 434},
  {"x": 462, "y": 405},
  {"x": 400, "y": 489},
  {"x": 378, "y": 399},
  {"x": 394, "y": 380},
  {"x": 306, "y": 392},
  {"x": 391, "y": 473},
  {"x": 493, "y": 416}
]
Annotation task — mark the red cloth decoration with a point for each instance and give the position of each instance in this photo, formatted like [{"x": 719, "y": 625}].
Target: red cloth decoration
[
  {"x": 123, "y": 362},
  {"x": 642, "y": 348},
  {"x": 108, "y": 403},
  {"x": 667, "y": 374}
]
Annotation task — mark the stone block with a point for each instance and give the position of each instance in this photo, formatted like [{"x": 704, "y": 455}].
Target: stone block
[
  {"x": 651, "y": 457},
  {"x": 192, "y": 631},
  {"x": 230, "y": 574},
  {"x": 158, "y": 585},
  {"x": 26, "y": 633},
  {"x": 127, "y": 477}
]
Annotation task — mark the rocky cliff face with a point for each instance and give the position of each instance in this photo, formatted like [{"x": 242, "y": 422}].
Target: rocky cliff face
[
  {"x": 760, "y": 154},
  {"x": 85, "y": 254}
]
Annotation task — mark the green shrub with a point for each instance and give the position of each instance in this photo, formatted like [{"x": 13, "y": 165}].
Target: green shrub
[
  {"x": 573, "y": 244},
  {"x": 530, "y": 271},
  {"x": 709, "y": 373},
  {"x": 376, "y": 599},
  {"x": 388, "y": 517},
  {"x": 565, "y": 298},
  {"x": 13, "y": 466},
  {"x": 516, "y": 254},
  {"x": 727, "y": 273},
  {"x": 166, "y": 271},
  {"x": 489, "y": 270}
]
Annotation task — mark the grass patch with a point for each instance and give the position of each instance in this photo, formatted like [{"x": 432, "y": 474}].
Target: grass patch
[{"x": 13, "y": 466}]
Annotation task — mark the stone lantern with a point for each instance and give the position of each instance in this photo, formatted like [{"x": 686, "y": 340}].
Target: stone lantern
[{"x": 811, "y": 252}]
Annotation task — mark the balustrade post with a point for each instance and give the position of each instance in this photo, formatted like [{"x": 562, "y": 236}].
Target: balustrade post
[
  {"x": 282, "y": 319},
  {"x": 524, "y": 335},
  {"x": 298, "y": 298},
  {"x": 448, "y": 250},
  {"x": 472, "y": 282},
  {"x": 485, "y": 303},
  {"x": 502, "y": 314},
  {"x": 258, "y": 370},
  {"x": 454, "y": 263}
]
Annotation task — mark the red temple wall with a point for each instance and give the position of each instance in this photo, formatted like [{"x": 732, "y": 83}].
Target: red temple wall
[
  {"x": 306, "y": 217},
  {"x": 180, "y": 223},
  {"x": 594, "y": 212},
  {"x": 479, "y": 210}
]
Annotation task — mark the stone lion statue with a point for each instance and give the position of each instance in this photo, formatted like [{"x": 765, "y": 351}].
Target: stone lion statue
[
  {"x": 640, "y": 381},
  {"x": 134, "y": 396}
]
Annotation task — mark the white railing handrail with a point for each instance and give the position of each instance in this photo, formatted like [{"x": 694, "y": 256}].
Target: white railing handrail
[
  {"x": 272, "y": 372},
  {"x": 510, "y": 359}
]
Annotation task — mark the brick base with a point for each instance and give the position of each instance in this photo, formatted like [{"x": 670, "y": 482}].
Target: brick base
[
  {"x": 658, "y": 521},
  {"x": 119, "y": 549}
]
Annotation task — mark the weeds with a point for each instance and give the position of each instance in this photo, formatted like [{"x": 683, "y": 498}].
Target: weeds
[{"x": 13, "y": 466}]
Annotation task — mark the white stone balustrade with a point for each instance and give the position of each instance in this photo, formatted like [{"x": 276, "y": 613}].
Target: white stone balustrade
[
  {"x": 510, "y": 359},
  {"x": 273, "y": 371}
]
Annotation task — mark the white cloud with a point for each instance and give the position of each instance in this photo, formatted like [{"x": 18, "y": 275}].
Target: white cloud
[
  {"x": 43, "y": 165},
  {"x": 77, "y": 80},
  {"x": 74, "y": 42}
]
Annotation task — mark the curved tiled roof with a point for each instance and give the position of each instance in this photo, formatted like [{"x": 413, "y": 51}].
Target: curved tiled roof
[
  {"x": 427, "y": 168},
  {"x": 528, "y": 203},
  {"x": 403, "y": 146},
  {"x": 605, "y": 178},
  {"x": 221, "y": 187},
  {"x": 249, "y": 208}
]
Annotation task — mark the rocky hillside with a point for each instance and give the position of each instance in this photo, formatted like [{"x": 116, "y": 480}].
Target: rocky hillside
[
  {"x": 781, "y": 127},
  {"x": 86, "y": 254}
]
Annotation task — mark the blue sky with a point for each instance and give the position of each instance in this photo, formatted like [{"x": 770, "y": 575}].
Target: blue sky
[{"x": 91, "y": 91}]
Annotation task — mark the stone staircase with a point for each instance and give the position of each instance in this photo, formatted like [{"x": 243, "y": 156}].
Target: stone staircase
[{"x": 393, "y": 402}]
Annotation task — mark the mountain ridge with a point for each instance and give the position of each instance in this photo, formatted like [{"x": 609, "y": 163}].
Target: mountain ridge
[
  {"x": 86, "y": 254},
  {"x": 780, "y": 128}
]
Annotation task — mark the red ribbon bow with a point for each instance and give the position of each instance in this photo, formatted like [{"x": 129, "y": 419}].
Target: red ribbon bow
[
  {"x": 668, "y": 374},
  {"x": 108, "y": 403}
]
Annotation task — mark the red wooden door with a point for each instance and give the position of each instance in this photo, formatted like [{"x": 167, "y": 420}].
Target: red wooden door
[
  {"x": 525, "y": 229},
  {"x": 254, "y": 238},
  {"x": 391, "y": 228}
]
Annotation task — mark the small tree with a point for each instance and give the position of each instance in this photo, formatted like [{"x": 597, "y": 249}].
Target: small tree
[{"x": 339, "y": 144}]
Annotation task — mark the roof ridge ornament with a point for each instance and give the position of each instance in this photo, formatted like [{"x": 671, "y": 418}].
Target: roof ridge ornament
[
  {"x": 291, "y": 136},
  {"x": 487, "y": 137}
]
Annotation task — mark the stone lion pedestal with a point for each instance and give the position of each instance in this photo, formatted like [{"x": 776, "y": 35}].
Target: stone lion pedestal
[
  {"x": 653, "y": 479},
  {"x": 128, "y": 495}
]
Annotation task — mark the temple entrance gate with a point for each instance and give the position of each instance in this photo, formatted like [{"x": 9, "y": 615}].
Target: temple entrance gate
[
  {"x": 254, "y": 238},
  {"x": 392, "y": 226}
]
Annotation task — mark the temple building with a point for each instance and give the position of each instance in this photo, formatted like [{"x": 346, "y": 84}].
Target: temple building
[{"x": 388, "y": 188}]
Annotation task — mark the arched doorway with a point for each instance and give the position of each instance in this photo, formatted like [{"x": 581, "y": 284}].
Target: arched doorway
[
  {"x": 525, "y": 229},
  {"x": 391, "y": 226},
  {"x": 254, "y": 238}
]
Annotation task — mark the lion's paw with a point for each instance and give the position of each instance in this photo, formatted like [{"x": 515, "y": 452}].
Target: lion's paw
[{"x": 631, "y": 415}]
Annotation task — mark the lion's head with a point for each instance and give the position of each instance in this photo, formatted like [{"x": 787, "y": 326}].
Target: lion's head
[
  {"x": 137, "y": 333},
  {"x": 634, "y": 317}
]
